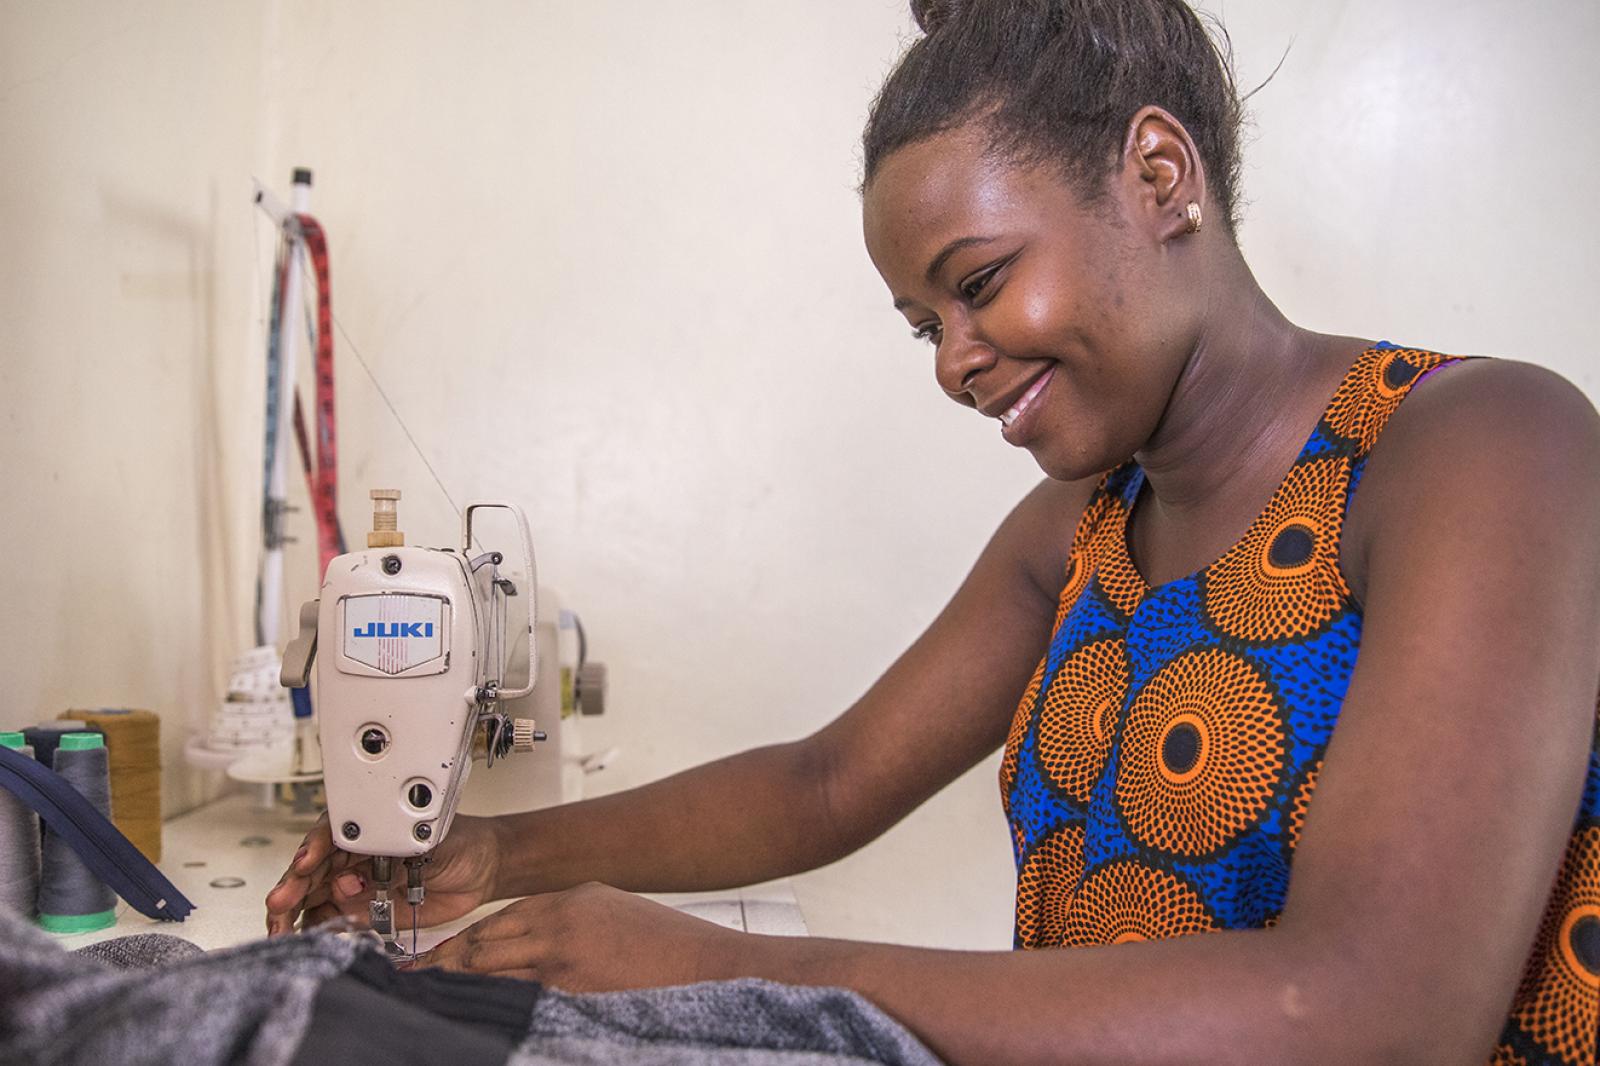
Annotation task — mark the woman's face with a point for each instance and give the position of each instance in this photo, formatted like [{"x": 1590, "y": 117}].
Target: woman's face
[{"x": 1058, "y": 319}]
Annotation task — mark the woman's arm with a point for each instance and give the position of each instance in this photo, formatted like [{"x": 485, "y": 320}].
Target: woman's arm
[
  {"x": 1441, "y": 814},
  {"x": 776, "y": 810},
  {"x": 1442, "y": 809},
  {"x": 779, "y": 810}
]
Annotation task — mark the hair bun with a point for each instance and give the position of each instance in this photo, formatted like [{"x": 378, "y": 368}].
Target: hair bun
[{"x": 931, "y": 14}]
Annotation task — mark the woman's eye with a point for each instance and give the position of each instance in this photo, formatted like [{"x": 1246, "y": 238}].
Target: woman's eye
[
  {"x": 928, "y": 332},
  {"x": 980, "y": 284},
  {"x": 973, "y": 287}
]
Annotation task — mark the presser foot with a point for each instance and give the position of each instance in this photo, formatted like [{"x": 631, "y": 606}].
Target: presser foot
[{"x": 381, "y": 918}]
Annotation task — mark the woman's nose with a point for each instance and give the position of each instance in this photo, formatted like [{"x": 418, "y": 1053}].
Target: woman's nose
[{"x": 958, "y": 361}]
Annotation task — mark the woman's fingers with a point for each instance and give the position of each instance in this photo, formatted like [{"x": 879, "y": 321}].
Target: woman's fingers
[
  {"x": 348, "y": 885},
  {"x": 321, "y": 881},
  {"x": 321, "y": 892},
  {"x": 284, "y": 902},
  {"x": 303, "y": 879},
  {"x": 292, "y": 889},
  {"x": 326, "y": 912},
  {"x": 500, "y": 943},
  {"x": 315, "y": 848}
]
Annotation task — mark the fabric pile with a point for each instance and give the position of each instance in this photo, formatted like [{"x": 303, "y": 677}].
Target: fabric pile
[{"x": 323, "y": 998}]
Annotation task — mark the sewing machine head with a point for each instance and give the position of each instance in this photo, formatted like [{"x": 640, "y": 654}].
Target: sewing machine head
[{"x": 412, "y": 672}]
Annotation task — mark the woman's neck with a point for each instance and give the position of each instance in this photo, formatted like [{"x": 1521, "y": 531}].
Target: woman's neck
[{"x": 1246, "y": 399}]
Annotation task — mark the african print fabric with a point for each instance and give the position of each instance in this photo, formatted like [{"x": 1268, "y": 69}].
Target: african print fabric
[{"x": 1161, "y": 763}]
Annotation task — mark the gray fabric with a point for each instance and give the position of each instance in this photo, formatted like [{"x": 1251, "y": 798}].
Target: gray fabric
[
  {"x": 736, "y": 1023},
  {"x": 245, "y": 1005},
  {"x": 149, "y": 1000},
  {"x": 142, "y": 951}
]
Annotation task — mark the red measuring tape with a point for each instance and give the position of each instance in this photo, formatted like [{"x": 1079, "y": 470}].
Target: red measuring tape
[{"x": 325, "y": 482}]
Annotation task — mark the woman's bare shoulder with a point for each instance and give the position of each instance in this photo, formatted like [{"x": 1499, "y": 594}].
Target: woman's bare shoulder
[
  {"x": 1491, "y": 433},
  {"x": 1499, "y": 402}
]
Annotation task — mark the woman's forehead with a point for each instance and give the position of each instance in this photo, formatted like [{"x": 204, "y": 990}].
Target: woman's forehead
[
  {"x": 948, "y": 173},
  {"x": 948, "y": 187}
]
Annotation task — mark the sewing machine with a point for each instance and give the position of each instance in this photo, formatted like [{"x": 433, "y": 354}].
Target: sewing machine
[{"x": 412, "y": 675}]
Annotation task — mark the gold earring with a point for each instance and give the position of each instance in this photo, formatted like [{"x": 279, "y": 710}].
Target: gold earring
[{"x": 1194, "y": 217}]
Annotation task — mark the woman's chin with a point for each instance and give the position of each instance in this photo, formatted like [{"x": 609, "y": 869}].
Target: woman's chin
[
  {"x": 1065, "y": 463},
  {"x": 1059, "y": 470}
]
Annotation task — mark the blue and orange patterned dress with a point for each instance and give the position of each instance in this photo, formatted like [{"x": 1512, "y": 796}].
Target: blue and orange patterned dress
[{"x": 1161, "y": 762}]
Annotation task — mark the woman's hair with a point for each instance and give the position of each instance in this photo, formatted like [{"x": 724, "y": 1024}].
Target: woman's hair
[{"x": 1056, "y": 81}]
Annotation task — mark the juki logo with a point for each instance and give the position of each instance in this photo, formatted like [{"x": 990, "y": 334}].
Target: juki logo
[{"x": 395, "y": 629}]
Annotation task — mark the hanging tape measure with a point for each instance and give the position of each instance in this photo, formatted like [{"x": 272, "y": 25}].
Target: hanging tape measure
[
  {"x": 323, "y": 482},
  {"x": 133, "y": 742},
  {"x": 325, "y": 486}
]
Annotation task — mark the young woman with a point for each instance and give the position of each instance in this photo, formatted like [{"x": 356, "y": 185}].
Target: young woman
[{"x": 1286, "y": 601}]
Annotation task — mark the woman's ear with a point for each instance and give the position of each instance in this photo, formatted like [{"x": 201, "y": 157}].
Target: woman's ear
[{"x": 1162, "y": 170}]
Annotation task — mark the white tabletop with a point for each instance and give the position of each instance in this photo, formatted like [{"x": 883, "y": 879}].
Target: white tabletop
[{"x": 226, "y": 855}]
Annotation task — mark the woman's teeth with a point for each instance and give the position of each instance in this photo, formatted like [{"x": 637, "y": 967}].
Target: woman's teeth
[{"x": 1027, "y": 398}]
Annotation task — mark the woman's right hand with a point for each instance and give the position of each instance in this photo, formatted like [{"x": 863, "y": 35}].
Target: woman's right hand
[{"x": 323, "y": 882}]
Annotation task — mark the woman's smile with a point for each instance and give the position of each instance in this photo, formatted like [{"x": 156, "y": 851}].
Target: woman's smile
[{"x": 1016, "y": 425}]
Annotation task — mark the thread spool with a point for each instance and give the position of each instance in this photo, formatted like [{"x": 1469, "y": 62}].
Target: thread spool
[
  {"x": 45, "y": 736},
  {"x": 385, "y": 531},
  {"x": 133, "y": 741},
  {"x": 19, "y": 844},
  {"x": 71, "y": 898}
]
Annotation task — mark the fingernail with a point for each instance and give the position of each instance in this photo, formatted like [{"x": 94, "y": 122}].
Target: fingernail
[
  {"x": 300, "y": 855},
  {"x": 351, "y": 884}
]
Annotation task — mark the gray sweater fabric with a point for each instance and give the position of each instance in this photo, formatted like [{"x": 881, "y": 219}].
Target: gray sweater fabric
[
  {"x": 731, "y": 1023},
  {"x": 158, "y": 999}
]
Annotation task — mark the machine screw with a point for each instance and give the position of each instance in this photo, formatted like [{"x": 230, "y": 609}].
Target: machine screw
[
  {"x": 423, "y": 831},
  {"x": 391, "y": 564},
  {"x": 373, "y": 741},
  {"x": 350, "y": 830}
]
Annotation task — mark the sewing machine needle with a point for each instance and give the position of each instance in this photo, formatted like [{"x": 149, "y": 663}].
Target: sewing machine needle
[{"x": 413, "y": 930}]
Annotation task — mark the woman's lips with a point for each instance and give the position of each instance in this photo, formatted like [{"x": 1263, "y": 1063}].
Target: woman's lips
[{"x": 1015, "y": 422}]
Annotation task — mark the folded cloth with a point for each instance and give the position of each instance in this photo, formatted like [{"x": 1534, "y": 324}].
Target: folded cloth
[{"x": 321, "y": 997}]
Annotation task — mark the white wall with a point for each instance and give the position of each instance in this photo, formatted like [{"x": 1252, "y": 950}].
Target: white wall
[
  {"x": 1416, "y": 172},
  {"x": 605, "y": 258},
  {"x": 127, "y": 452}
]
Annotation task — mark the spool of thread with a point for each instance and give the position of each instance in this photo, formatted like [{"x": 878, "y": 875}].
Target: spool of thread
[
  {"x": 46, "y": 735},
  {"x": 19, "y": 844},
  {"x": 71, "y": 898},
  {"x": 133, "y": 739}
]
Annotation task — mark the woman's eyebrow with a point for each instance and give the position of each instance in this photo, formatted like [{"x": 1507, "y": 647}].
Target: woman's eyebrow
[
  {"x": 938, "y": 263},
  {"x": 951, "y": 249}
]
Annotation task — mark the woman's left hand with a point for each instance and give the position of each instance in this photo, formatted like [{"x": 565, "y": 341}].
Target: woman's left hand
[{"x": 592, "y": 938}]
